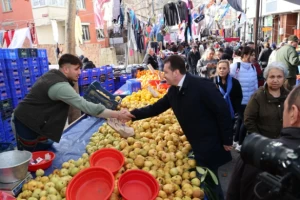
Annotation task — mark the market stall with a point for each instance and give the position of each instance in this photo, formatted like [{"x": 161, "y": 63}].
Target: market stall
[{"x": 158, "y": 148}]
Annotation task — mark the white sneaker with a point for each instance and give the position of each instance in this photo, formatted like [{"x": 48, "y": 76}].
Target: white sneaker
[
  {"x": 238, "y": 148},
  {"x": 235, "y": 144}
]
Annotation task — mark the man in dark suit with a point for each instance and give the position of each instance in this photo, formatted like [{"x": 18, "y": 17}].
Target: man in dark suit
[{"x": 201, "y": 112}]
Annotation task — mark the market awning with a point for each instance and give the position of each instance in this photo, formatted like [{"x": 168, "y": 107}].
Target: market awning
[{"x": 294, "y": 1}]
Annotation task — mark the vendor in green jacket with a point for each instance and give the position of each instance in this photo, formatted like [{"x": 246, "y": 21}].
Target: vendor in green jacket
[
  {"x": 290, "y": 58},
  {"x": 41, "y": 117}
]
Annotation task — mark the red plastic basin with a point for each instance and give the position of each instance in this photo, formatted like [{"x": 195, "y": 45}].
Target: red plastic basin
[
  {"x": 44, "y": 164},
  {"x": 6, "y": 196},
  {"x": 91, "y": 183},
  {"x": 138, "y": 185},
  {"x": 108, "y": 158}
]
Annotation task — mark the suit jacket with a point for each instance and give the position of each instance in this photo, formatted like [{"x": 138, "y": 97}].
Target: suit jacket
[{"x": 203, "y": 116}]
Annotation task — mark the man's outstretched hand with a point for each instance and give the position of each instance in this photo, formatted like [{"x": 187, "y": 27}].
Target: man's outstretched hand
[{"x": 124, "y": 115}]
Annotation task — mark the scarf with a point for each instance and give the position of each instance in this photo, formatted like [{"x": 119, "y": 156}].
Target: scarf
[{"x": 227, "y": 93}]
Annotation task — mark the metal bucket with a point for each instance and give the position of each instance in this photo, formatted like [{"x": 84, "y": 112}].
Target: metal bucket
[{"x": 14, "y": 165}]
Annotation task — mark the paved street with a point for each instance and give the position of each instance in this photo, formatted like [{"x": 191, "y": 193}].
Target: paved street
[{"x": 227, "y": 169}]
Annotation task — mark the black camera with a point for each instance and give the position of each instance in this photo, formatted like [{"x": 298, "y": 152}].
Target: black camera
[{"x": 280, "y": 166}]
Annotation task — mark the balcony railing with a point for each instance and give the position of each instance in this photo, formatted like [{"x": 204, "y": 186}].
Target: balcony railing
[{"x": 42, "y": 3}]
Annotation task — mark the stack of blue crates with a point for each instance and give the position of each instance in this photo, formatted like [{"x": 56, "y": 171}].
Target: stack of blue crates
[
  {"x": 19, "y": 70},
  {"x": 103, "y": 74},
  {"x": 121, "y": 79}
]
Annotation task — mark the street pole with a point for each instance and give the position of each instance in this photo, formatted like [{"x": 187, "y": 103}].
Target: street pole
[
  {"x": 256, "y": 27},
  {"x": 70, "y": 48},
  {"x": 245, "y": 22}
]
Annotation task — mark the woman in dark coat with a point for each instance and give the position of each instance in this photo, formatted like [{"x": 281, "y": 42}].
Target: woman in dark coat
[
  {"x": 263, "y": 113},
  {"x": 264, "y": 55},
  {"x": 229, "y": 87}
]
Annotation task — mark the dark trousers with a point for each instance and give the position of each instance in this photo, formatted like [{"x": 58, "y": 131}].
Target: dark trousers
[
  {"x": 192, "y": 70},
  {"x": 29, "y": 140},
  {"x": 240, "y": 131}
]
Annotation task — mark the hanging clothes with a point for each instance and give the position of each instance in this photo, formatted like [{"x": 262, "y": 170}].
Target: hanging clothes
[
  {"x": 99, "y": 13},
  {"x": 78, "y": 31},
  {"x": 54, "y": 31},
  {"x": 116, "y": 9},
  {"x": 108, "y": 12},
  {"x": 19, "y": 37},
  {"x": 170, "y": 14},
  {"x": 182, "y": 10},
  {"x": 1, "y": 37},
  {"x": 8, "y": 36},
  {"x": 33, "y": 33}
]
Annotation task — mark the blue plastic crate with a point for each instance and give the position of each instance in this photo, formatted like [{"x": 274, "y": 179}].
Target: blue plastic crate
[
  {"x": 23, "y": 53},
  {"x": 44, "y": 62},
  {"x": 2, "y": 69},
  {"x": 4, "y": 83},
  {"x": 15, "y": 82},
  {"x": 13, "y": 68},
  {"x": 109, "y": 69},
  {"x": 28, "y": 80},
  {"x": 44, "y": 69},
  {"x": 125, "y": 77},
  {"x": 6, "y": 113},
  {"x": 83, "y": 89},
  {"x": 6, "y": 124},
  {"x": 11, "y": 54},
  {"x": 84, "y": 78},
  {"x": 4, "y": 93},
  {"x": 110, "y": 88},
  {"x": 104, "y": 85},
  {"x": 17, "y": 93},
  {"x": 6, "y": 105},
  {"x": 32, "y": 52},
  {"x": 110, "y": 83},
  {"x": 6, "y": 146},
  {"x": 34, "y": 62},
  {"x": 42, "y": 53},
  {"x": 1, "y": 54},
  {"x": 36, "y": 77},
  {"x": 133, "y": 85},
  {"x": 16, "y": 101},
  {"x": 94, "y": 74},
  {"x": 27, "y": 88}
]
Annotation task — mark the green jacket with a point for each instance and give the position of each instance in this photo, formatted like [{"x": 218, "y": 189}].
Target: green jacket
[
  {"x": 289, "y": 56},
  {"x": 264, "y": 113}
]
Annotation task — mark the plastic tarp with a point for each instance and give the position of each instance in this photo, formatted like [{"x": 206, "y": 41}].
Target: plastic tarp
[{"x": 74, "y": 140}]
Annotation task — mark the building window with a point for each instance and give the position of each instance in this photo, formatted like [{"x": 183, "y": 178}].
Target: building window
[
  {"x": 80, "y": 4},
  {"x": 6, "y": 5},
  {"x": 41, "y": 3},
  {"x": 86, "y": 33},
  {"x": 100, "y": 34}
]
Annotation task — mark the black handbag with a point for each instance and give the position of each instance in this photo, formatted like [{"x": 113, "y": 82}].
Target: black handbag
[{"x": 199, "y": 18}]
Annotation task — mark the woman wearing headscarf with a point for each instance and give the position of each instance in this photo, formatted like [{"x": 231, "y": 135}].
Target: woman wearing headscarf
[{"x": 264, "y": 111}]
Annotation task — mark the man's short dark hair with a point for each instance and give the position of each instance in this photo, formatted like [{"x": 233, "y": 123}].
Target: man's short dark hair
[
  {"x": 69, "y": 59},
  {"x": 221, "y": 50},
  {"x": 294, "y": 98},
  {"x": 176, "y": 62}
]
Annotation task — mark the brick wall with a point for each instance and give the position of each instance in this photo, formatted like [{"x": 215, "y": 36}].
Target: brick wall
[{"x": 100, "y": 56}]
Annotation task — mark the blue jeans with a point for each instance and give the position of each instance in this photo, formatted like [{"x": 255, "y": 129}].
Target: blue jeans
[{"x": 29, "y": 140}]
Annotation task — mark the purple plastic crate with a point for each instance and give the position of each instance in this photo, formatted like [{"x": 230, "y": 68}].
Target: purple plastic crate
[
  {"x": 110, "y": 83},
  {"x": 2, "y": 69}
]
